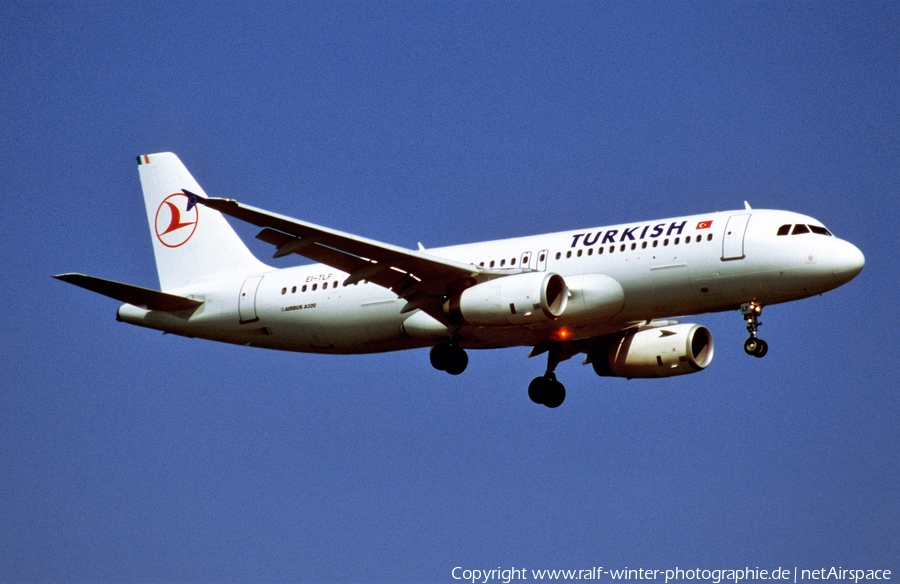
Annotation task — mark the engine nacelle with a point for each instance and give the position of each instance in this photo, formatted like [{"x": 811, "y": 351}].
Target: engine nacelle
[
  {"x": 655, "y": 351},
  {"x": 521, "y": 299},
  {"x": 593, "y": 297}
]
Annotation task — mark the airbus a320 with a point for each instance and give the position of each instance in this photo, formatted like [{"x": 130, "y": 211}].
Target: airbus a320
[{"x": 608, "y": 292}]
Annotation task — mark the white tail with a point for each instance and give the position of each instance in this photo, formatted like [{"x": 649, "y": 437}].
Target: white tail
[{"x": 189, "y": 246}]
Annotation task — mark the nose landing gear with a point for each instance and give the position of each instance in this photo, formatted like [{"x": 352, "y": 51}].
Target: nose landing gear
[{"x": 753, "y": 346}]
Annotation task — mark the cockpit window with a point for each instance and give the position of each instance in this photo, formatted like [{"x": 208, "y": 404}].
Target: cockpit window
[{"x": 800, "y": 228}]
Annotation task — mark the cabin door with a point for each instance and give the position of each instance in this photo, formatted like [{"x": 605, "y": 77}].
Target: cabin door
[{"x": 733, "y": 242}]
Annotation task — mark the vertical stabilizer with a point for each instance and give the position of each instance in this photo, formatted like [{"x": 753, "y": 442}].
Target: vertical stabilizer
[{"x": 189, "y": 245}]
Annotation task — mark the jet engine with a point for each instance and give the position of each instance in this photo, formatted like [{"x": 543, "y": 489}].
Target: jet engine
[
  {"x": 655, "y": 351},
  {"x": 520, "y": 299},
  {"x": 593, "y": 297}
]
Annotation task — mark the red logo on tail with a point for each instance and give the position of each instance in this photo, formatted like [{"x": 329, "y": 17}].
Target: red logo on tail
[{"x": 174, "y": 225}]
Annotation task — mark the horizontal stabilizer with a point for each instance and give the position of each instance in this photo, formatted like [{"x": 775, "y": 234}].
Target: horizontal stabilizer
[{"x": 134, "y": 295}]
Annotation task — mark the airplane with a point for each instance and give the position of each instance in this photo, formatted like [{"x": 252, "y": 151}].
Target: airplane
[{"x": 609, "y": 293}]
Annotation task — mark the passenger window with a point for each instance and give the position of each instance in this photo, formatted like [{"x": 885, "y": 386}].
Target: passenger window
[
  {"x": 590, "y": 251},
  {"x": 303, "y": 289},
  {"x": 677, "y": 239},
  {"x": 568, "y": 254},
  {"x": 633, "y": 245},
  {"x": 492, "y": 263},
  {"x": 687, "y": 239},
  {"x": 643, "y": 245},
  {"x": 325, "y": 285},
  {"x": 800, "y": 228},
  {"x": 655, "y": 242},
  {"x": 542, "y": 258},
  {"x": 481, "y": 264},
  {"x": 512, "y": 262},
  {"x": 784, "y": 230},
  {"x": 599, "y": 251},
  {"x": 315, "y": 286},
  {"x": 502, "y": 263},
  {"x": 612, "y": 248},
  {"x": 579, "y": 253},
  {"x": 294, "y": 290},
  {"x": 622, "y": 247},
  {"x": 283, "y": 291},
  {"x": 709, "y": 237},
  {"x": 558, "y": 255},
  {"x": 334, "y": 285},
  {"x": 666, "y": 242}
]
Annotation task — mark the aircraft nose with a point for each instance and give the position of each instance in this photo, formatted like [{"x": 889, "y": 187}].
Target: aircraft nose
[{"x": 846, "y": 262}]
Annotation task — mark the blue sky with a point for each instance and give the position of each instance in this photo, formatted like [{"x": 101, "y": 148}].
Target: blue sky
[{"x": 126, "y": 455}]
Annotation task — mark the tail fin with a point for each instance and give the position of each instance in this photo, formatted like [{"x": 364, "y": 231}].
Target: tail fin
[{"x": 189, "y": 245}]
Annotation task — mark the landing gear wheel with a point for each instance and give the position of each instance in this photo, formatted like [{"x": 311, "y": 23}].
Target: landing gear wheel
[
  {"x": 449, "y": 357},
  {"x": 756, "y": 347},
  {"x": 556, "y": 396},
  {"x": 439, "y": 356},
  {"x": 547, "y": 391},
  {"x": 458, "y": 361},
  {"x": 537, "y": 390},
  {"x": 751, "y": 345},
  {"x": 762, "y": 349}
]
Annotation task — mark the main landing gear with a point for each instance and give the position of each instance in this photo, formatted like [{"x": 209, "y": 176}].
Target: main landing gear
[
  {"x": 450, "y": 357},
  {"x": 546, "y": 390},
  {"x": 753, "y": 346}
]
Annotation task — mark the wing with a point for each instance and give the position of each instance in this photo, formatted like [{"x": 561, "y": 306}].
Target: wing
[{"x": 424, "y": 281}]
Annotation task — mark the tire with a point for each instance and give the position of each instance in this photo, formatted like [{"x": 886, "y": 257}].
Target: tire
[
  {"x": 457, "y": 361},
  {"x": 751, "y": 346},
  {"x": 555, "y": 395},
  {"x": 537, "y": 390},
  {"x": 439, "y": 356}
]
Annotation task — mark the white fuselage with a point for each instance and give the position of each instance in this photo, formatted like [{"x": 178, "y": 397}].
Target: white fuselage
[{"x": 666, "y": 268}]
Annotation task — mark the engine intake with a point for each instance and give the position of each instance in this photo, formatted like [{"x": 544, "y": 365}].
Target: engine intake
[
  {"x": 655, "y": 351},
  {"x": 510, "y": 300}
]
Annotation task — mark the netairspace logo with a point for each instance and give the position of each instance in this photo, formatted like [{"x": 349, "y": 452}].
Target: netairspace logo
[{"x": 716, "y": 576}]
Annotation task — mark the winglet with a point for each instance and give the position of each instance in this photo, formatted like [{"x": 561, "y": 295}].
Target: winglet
[
  {"x": 747, "y": 206},
  {"x": 192, "y": 198}
]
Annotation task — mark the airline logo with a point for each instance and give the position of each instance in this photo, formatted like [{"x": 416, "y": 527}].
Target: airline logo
[
  {"x": 175, "y": 227},
  {"x": 704, "y": 225}
]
